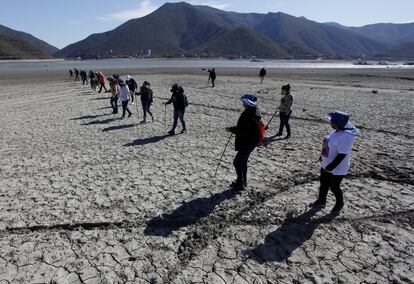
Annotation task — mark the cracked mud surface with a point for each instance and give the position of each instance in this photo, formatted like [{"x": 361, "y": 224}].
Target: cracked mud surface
[{"x": 88, "y": 198}]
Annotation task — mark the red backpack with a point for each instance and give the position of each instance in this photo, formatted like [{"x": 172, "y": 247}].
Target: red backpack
[{"x": 262, "y": 132}]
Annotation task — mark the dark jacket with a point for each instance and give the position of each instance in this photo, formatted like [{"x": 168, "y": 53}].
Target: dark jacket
[
  {"x": 146, "y": 94},
  {"x": 132, "y": 84},
  {"x": 247, "y": 130},
  {"x": 212, "y": 75},
  {"x": 179, "y": 100},
  {"x": 262, "y": 72}
]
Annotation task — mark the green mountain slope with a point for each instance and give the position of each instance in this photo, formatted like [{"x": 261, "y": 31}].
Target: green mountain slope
[{"x": 14, "y": 48}]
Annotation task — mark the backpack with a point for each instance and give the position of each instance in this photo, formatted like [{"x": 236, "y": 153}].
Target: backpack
[{"x": 262, "y": 132}]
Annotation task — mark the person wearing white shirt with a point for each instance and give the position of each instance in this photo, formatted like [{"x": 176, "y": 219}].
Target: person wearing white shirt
[
  {"x": 123, "y": 93},
  {"x": 336, "y": 150}
]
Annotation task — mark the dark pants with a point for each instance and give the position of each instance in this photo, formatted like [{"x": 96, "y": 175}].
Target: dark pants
[
  {"x": 284, "y": 122},
  {"x": 146, "y": 108},
  {"x": 212, "y": 82},
  {"x": 102, "y": 86},
  {"x": 114, "y": 104},
  {"x": 240, "y": 164},
  {"x": 329, "y": 181},
  {"x": 178, "y": 114},
  {"x": 125, "y": 108},
  {"x": 132, "y": 92}
]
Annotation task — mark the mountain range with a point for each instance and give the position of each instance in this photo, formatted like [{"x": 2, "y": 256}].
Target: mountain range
[{"x": 185, "y": 30}]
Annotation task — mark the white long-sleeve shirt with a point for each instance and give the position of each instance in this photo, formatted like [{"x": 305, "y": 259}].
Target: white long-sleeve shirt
[{"x": 123, "y": 93}]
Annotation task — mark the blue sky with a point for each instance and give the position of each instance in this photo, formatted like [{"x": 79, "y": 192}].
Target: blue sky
[{"x": 61, "y": 22}]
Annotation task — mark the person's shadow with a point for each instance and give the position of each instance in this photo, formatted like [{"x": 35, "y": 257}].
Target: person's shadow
[
  {"x": 144, "y": 141},
  {"x": 187, "y": 214},
  {"x": 294, "y": 232}
]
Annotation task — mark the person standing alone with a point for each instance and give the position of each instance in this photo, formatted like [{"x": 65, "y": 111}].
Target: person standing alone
[
  {"x": 262, "y": 74},
  {"x": 335, "y": 157},
  {"x": 285, "y": 110},
  {"x": 212, "y": 76}
]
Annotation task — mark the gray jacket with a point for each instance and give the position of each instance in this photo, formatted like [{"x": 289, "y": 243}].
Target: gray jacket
[{"x": 286, "y": 103}]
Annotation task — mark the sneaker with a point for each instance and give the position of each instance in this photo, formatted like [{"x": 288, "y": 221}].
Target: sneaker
[
  {"x": 171, "y": 132},
  {"x": 318, "y": 204}
]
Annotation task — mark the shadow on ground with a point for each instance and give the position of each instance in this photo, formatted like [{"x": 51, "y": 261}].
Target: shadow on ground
[
  {"x": 145, "y": 141},
  {"x": 104, "y": 121},
  {"x": 90, "y": 116},
  {"x": 187, "y": 214},
  {"x": 293, "y": 233},
  {"x": 118, "y": 127},
  {"x": 100, "y": 98}
]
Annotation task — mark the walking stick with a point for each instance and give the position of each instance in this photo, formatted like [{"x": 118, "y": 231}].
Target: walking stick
[
  {"x": 267, "y": 126},
  {"x": 165, "y": 117},
  {"x": 136, "y": 102},
  {"x": 222, "y": 154}
]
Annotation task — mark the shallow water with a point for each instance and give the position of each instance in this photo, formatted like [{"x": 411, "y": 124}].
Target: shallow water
[{"x": 56, "y": 65}]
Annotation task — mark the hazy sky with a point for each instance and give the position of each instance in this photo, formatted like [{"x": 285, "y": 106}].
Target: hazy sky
[{"x": 61, "y": 22}]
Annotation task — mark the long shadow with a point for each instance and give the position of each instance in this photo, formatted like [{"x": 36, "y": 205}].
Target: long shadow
[
  {"x": 90, "y": 116},
  {"x": 100, "y": 98},
  {"x": 107, "y": 107},
  {"x": 145, "y": 141},
  {"x": 293, "y": 233},
  {"x": 118, "y": 127},
  {"x": 187, "y": 214},
  {"x": 104, "y": 121}
]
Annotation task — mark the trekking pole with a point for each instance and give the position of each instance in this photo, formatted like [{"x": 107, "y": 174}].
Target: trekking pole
[
  {"x": 267, "y": 126},
  {"x": 136, "y": 102},
  {"x": 222, "y": 154},
  {"x": 165, "y": 117}
]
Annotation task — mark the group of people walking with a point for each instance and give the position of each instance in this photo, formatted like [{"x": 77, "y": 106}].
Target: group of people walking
[{"x": 249, "y": 130}]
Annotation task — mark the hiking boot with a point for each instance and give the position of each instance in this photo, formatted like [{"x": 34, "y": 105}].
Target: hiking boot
[
  {"x": 337, "y": 208},
  {"x": 318, "y": 204},
  {"x": 236, "y": 186},
  {"x": 171, "y": 132}
]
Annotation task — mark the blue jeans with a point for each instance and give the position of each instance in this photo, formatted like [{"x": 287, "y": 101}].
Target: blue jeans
[
  {"x": 284, "y": 122},
  {"x": 178, "y": 114},
  {"x": 240, "y": 164},
  {"x": 146, "y": 108}
]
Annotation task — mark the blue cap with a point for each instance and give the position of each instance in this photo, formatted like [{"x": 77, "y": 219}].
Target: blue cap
[
  {"x": 339, "y": 118},
  {"x": 249, "y": 100}
]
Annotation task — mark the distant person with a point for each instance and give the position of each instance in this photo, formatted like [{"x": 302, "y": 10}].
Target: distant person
[
  {"x": 247, "y": 133},
  {"x": 285, "y": 110},
  {"x": 179, "y": 101},
  {"x": 93, "y": 81},
  {"x": 70, "y": 74},
  {"x": 212, "y": 76},
  {"x": 146, "y": 100},
  {"x": 76, "y": 74},
  {"x": 335, "y": 157},
  {"x": 113, "y": 85},
  {"x": 101, "y": 78},
  {"x": 262, "y": 74},
  {"x": 124, "y": 95},
  {"x": 84, "y": 77},
  {"x": 132, "y": 85}
]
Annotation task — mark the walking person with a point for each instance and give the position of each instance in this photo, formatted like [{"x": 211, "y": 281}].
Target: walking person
[
  {"x": 285, "y": 110},
  {"x": 133, "y": 86},
  {"x": 146, "y": 100},
  {"x": 76, "y": 74},
  {"x": 84, "y": 77},
  {"x": 179, "y": 101},
  {"x": 101, "y": 78},
  {"x": 262, "y": 74},
  {"x": 124, "y": 95},
  {"x": 247, "y": 133},
  {"x": 212, "y": 76},
  {"x": 70, "y": 74},
  {"x": 335, "y": 157},
  {"x": 113, "y": 84}
]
